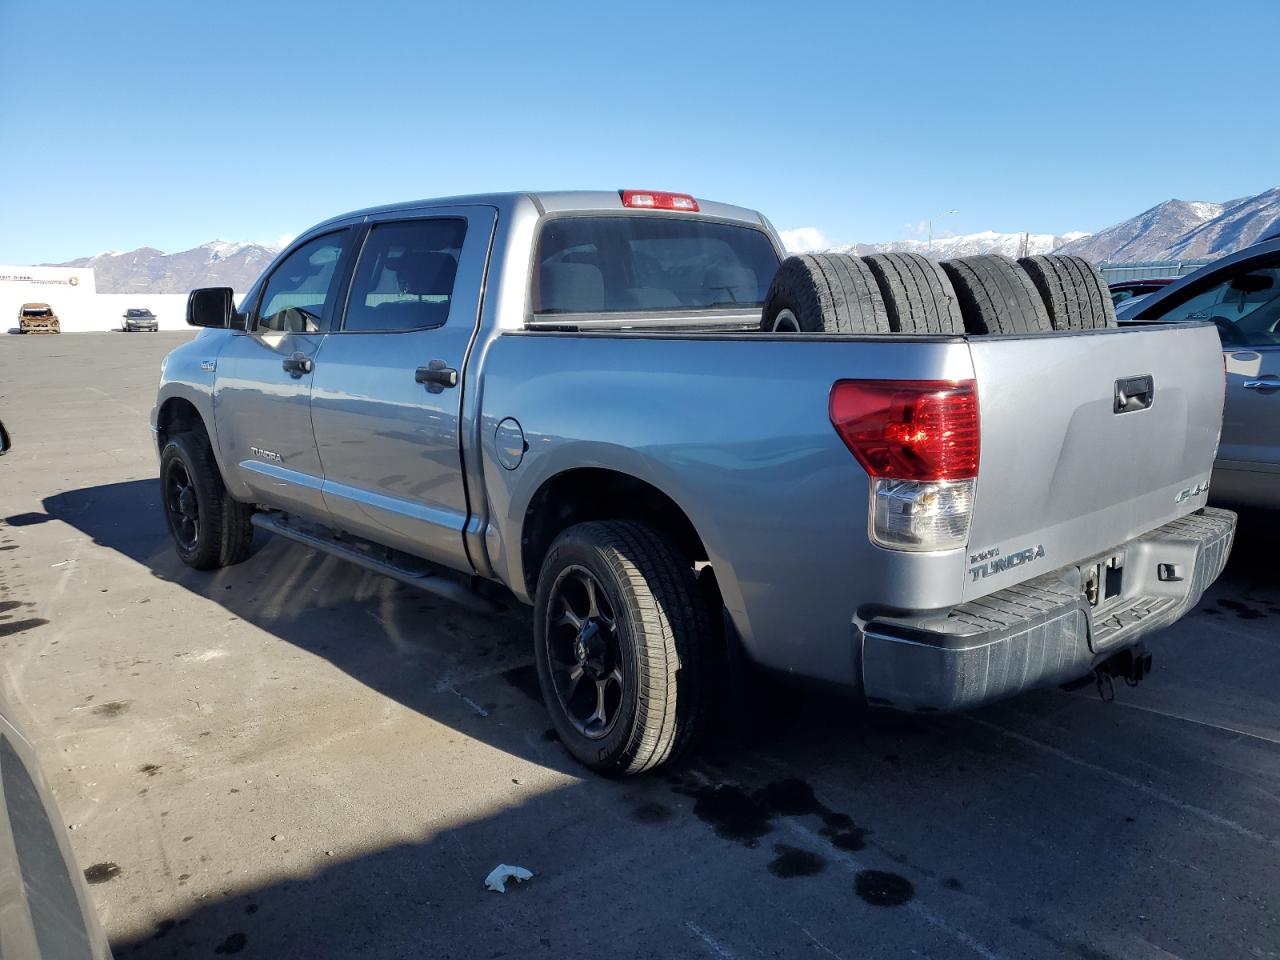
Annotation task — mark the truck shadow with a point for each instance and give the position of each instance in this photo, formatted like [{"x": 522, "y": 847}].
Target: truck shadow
[{"x": 757, "y": 841}]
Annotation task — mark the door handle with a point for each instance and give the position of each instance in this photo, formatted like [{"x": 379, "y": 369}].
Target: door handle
[
  {"x": 297, "y": 365},
  {"x": 1133, "y": 393},
  {"x": 1270, "y": 383},
  {"x": 436, "y": 374}
]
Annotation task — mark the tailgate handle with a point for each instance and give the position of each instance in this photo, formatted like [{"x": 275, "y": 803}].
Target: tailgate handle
[{"x": 1134, "y": 393}]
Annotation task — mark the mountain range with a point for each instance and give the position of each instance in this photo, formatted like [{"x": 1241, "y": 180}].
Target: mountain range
[
  {"x": 1184, "y": 230},
  {"x": 148, "y": 270},
  {"x": 1172, "y": 230},
  {"x": 969, "y": 244}
]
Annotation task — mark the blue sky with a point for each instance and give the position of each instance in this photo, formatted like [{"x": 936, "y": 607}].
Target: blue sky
[{"x": 168, "y": 124}]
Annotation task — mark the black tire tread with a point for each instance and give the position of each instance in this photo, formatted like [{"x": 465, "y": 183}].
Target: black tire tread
[
  {"x": 829, "y": 293},
  {"x": 229, "y": 519},
  {"x": 996, "y": 295},
  {"x": 1073, "y": 291},
  {"x": 672, "y": 634},
  {"x": 918, "y": 296}
]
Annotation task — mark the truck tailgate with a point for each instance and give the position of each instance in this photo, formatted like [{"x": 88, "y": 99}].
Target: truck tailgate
[{"x": 1077, "y": 456}]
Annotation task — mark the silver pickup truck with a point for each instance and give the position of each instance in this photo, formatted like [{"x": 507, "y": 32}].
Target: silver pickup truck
[{"x": 573, "y": 398}]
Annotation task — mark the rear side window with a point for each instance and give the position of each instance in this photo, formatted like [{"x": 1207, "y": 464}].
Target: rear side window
[
  {"x": 405, "y": 277},
  {"x": 635, "y": 263}
]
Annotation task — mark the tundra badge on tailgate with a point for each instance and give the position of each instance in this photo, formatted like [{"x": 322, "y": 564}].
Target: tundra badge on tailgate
[{"x": 987, "y": 563}]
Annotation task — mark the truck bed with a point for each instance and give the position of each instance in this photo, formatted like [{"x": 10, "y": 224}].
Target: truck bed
[{"x": 735, "y": 430}]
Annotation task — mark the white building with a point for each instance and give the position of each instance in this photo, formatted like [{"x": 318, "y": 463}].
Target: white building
[{"x": 72, "y": 293}]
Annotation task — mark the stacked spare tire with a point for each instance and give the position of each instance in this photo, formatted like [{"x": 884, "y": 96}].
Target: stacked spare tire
[{"x": 908, "y": 293}]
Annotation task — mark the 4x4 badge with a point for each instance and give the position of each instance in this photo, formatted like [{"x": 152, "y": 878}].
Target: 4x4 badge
[{"x": 1190, "y": 492}]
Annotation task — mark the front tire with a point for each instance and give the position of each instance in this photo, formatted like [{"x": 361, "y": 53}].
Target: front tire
[
  {"x": 209, "y": 528},
  {"x": 621, "y": 637}
]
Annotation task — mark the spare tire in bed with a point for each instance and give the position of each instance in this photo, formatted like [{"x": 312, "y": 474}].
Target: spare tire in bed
[
  {"x": 1073, "y": 292},
  {"x": 824, "y": 293},
  {"x": 996, "y": 295},
  {"x": 917, "y": 294}
]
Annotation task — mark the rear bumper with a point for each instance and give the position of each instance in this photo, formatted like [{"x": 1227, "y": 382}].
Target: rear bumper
[{"x": 1042, "y": 632}]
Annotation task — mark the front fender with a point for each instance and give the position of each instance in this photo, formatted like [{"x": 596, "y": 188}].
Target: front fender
[{"x": 188, "y": 373}]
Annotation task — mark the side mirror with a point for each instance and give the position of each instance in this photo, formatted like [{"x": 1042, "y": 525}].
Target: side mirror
[
  {"x": 5, "y": 442},
  {"x": 210, "y": 307}
]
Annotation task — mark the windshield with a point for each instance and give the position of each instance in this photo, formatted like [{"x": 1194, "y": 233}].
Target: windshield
[{"x": 632, "y": 263}]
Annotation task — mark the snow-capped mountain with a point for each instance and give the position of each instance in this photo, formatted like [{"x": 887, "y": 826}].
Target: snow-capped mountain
[
  {"x": 969, "y": 244},
  {"x": 1149, "y": 235},
  {"x": 1184, "y": 230},
  {"x": 219, "y": 263}
]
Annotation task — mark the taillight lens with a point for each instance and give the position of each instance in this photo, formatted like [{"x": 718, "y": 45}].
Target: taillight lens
[
  {"x": 909, "y": 429},
  {"x": 919, "y": 441}
]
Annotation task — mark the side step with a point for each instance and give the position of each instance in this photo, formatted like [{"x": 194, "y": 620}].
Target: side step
[{"x": 408, "y": 569}]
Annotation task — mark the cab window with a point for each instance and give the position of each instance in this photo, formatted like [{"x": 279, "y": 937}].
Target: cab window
[
  {"x": 295, "y": 296},
  {"x": 405, "y": 277}
]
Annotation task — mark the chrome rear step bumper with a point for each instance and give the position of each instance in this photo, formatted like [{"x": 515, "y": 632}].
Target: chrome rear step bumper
[{"x": 1045, "y": 631}]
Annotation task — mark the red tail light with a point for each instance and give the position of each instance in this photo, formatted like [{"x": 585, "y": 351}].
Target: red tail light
[
  {"x": 658, "y": 200},
  {"x": 909, "y": 429}
]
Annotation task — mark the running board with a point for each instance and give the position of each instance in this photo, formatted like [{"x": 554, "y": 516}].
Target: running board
[{"x": 379, "y": 559}]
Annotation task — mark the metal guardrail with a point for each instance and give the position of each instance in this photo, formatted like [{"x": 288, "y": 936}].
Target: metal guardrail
[{"x": 1148, "y": 269}]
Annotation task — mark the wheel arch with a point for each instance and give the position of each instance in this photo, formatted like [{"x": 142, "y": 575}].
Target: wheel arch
[
  {"x": 581, "y": 494},
  {"x": 178, "y": 414}
]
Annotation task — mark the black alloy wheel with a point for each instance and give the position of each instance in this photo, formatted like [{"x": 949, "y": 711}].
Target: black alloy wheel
[{"x": 584, "y": 652}]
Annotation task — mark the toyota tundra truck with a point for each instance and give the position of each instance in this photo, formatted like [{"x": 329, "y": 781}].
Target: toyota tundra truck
[{"x": 934, "y": 485}]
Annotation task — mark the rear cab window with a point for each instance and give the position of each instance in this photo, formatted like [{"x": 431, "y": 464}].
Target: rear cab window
[{"x": 624, "y": 264}]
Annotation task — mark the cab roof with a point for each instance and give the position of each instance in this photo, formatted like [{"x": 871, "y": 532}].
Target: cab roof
[{"x": 558, "y": 201}]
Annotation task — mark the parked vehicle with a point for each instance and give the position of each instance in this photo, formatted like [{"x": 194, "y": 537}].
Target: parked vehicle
[
  {"x": 38, "y": 318},
  {"x": 139, "y": 318},
  {"x": 571, "y": 396},
  {"x": 1127, "y": 308},
  {"x": 1123, "y": 290},
  {"x": 1240, "y": 294},
  {"x": 45, "y": 911}
]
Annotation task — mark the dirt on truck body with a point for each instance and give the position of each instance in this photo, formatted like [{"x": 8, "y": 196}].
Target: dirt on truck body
[{"x": 38, "y": 318}]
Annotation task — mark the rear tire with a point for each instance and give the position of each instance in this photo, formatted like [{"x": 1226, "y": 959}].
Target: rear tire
[
  {"x": 996, "y": 296},
  {"x": 618, "y": 603},
  {"x": 1073, "y": 292},
  {"x": 917, "y": 294},
  {"x": 210, "y": 529},
  {"x": 824, "y": 293}
]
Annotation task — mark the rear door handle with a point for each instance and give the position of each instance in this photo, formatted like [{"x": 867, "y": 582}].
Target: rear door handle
[
  {"x": 297, "y": 365},
  {"x": 1269, "y": 383},
  {"x": 436, "y": 375}
]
